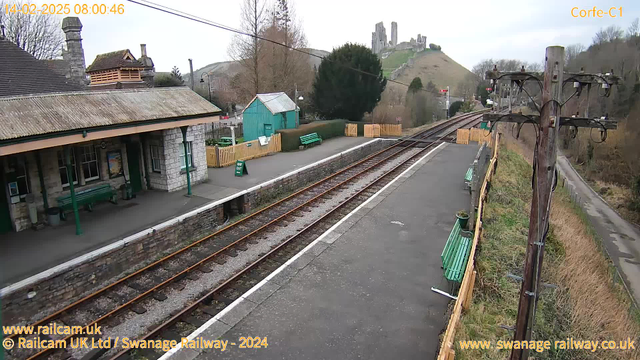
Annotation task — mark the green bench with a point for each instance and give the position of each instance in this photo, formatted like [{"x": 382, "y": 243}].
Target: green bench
[
  {"x": 310, "y": 139},
  {"x": 87, "y": 198},
  {"x": 455, "y": 254},
  {"x": 225, "y": 141},
  {"x": 468, "y": 176}
]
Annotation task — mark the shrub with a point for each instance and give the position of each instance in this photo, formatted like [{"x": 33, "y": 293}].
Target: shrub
[{"x": 326, "y": 129}]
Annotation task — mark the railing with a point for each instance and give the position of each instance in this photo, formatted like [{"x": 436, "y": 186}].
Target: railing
[
  {"x": 225, "y": 156},
  {"x": 466, "y": 288}
]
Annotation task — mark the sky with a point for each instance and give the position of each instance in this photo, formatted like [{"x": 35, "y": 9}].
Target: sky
[{"x": 468, "y": 31}]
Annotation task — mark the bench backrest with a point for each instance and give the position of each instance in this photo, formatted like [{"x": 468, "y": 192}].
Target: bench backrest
[
  {"x": 97, "y": 190},
  {"x": 309, "y": 136}
]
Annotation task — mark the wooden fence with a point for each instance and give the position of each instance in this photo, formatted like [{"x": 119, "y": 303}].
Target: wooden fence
[
  {"x": 372, "y": 130},
  {"x": 466, "y": 288},
  {"x": 391, "y": 129},
  {"x": 225, "y": 156},
  {"x": 479, "y": 135},
  {"x": 462, "y": 136},
  {"x": 351, "y": 130}
]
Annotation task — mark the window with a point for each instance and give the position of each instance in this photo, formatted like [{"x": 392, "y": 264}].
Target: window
[
  {"x": 156, "y": 157},
  {"x": 89, "y": 162},
  {"x": 64, "y": 179},
  {"x": 189, "y": 155},
  {"x": 18, "y": 178}
]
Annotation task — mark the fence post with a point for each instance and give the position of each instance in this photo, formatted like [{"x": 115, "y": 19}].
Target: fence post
[
  {"x": 217, "y": 155},
  {"x": 474, "y": 194}
]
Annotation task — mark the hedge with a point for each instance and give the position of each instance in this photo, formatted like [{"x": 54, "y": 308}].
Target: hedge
[{"x": 326, "y": 129}]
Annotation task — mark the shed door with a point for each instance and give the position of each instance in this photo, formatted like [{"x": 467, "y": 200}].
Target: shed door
[{"x": 268, "y": 130}]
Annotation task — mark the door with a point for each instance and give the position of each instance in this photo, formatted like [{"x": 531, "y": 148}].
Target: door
[
  {"x": 5, "y": 217},
  {"x": 268, "y": 130},
  {"x": 133, "y": 158}
]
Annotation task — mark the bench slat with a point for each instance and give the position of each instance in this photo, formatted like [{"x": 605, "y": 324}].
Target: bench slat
[{"x": 456, "y": 254}]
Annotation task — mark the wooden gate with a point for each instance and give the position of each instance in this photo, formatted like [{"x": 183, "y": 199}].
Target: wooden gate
[
  {"x": 372, "y": 130},
  {"x": 351, "y": 130},
  {"x": 462, "y": 136}
]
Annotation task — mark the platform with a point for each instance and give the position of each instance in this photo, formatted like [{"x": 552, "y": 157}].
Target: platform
[
  {"x": 363, "y": 290},
  {"x": 30, "y": 252}
]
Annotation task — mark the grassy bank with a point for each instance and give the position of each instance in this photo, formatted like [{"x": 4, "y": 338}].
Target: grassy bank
[{"x": 587, "y": 303}]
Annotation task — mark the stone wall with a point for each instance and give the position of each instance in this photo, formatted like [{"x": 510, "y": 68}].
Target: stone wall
[
  {"x": 268, "y": 193},
  {"x": 59, "y": 289},
  {"x": 176, "y": 176},
  {"x": 62, "y": 287}
]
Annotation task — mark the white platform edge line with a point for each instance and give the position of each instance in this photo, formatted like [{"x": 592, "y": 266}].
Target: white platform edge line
[
  {"x": 125, "y": 241},
  {"x": 257, "y": 286}
]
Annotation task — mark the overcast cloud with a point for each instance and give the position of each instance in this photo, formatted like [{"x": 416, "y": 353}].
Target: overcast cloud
[{"x": 468, "y": 31}]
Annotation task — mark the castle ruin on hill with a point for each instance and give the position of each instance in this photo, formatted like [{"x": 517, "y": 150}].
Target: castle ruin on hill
[{"x": 379, "y": 41}]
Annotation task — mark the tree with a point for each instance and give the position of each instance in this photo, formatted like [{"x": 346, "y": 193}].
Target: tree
[
  {"x": 433, "y": 46},
  {"x": 431, "y": 87},
  {"x": 634, "y": 29},
  {"x": 38, "y": 34},
  {"x": 339, "y": 91},
  {"x": 246, "y": 49},
  {"x": 175, "y": 73},
  {"x": 164, "y": 80},
  {"x": 284, "y": 69},
  {"x": 610, "y": 34},
  {"x": 467, "y": 106},
  {"x": 416, "y": 85},
  {"x": 455, "y": 107},
  {"x": 467, "y": 87}
]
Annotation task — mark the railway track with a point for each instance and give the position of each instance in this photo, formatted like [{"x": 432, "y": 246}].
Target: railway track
[{"x": 110, "y": 305}]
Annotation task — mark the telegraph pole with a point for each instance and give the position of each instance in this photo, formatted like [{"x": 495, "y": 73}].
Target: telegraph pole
[
  {"x": 546, "y": 126},
  {"x": 545, "y": 165}
]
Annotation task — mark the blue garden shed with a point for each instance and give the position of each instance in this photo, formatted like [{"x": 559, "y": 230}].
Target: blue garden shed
[{"x": 267, "y": 113}]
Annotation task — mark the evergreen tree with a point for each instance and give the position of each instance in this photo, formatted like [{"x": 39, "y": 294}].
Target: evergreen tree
[
  {"x": 416, "y": 85},
  {"x": 339, "y": 91},
  {"x": 175, "y": 73}
]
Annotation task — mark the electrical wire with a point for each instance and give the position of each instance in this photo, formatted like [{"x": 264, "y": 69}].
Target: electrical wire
[{"x": 191, "y": 17}]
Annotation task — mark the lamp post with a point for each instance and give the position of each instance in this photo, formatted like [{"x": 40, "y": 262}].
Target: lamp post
[
  {"x": 208, "y": 82},
  {"x": 297, "y": 97}
]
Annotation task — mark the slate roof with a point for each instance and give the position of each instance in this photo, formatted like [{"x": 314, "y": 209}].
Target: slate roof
[
  {"x": 113, "y": 60},
  {"x": 21, "y": 73},
  {"x": 59, "y": 66},
  {"x": 24, "y": 116},
  {"x": 276, "y": 102}
]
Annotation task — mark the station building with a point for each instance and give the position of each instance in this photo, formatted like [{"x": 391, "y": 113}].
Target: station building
[{"x": 61, "y": 137}]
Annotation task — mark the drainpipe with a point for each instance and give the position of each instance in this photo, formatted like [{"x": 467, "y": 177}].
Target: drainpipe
[
  {"x": 186, "y": 157},
  {"x": 43, "y": 189},
  {"x": 67, "y": 157},
  {"x": 145, "y": 161}
]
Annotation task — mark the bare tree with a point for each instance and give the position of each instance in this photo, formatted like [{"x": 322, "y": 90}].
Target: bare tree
[
  {"x": 634, "y": 29},
  {"x": 571, "y": 52},
  {"x": 610, "y": 34},
  {"x": 288, "y": 68},
  {"x": 467, "y": 87},
  {"x": 246, "y": 50},
  {"x": 39, "y": 35},
  {"x": 481, "y": 68}
]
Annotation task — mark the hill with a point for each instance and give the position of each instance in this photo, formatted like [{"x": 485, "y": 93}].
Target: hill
[
  {"x": 228, "y": 69},
  {"x": 428, "y": 65}
]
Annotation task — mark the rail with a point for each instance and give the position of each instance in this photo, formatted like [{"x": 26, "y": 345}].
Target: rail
[
  {"x": 156, "y": 332},
  {"x": 407, "y": 142}
]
